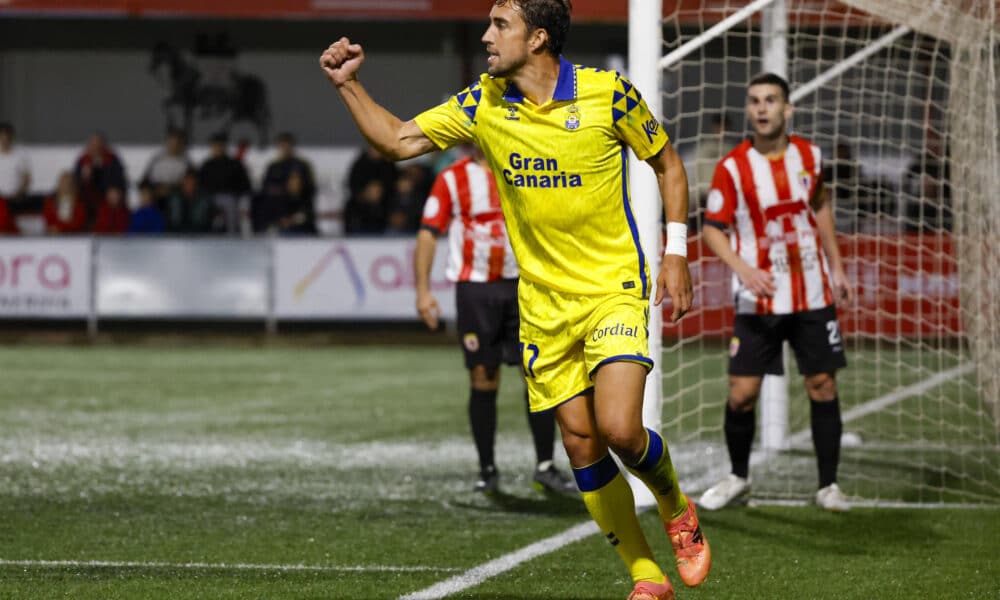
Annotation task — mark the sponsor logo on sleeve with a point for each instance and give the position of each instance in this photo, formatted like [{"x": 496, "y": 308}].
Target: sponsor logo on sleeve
[{"x": 651, "y": 127}]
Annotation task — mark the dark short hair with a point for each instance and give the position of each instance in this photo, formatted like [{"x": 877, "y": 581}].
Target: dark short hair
[
  {"x": 219, "y": 137},
  {"x": 285, "y": 137},
  {"x": 773, "y": 79},
  {"x": 176, "y": 132},
  {"x": 550, "y": 15},
  {"x": 7, "y": 128}
]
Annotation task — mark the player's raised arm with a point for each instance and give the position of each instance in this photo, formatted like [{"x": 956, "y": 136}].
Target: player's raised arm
[
  {"x": 674, "y": 277},
  {"x": 387, "y": 133}
]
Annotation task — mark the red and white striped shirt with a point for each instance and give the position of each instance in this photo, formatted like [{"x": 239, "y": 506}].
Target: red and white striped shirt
[
  {"x": 465, "y": 202},
  {"x": 765, "y": 204}
]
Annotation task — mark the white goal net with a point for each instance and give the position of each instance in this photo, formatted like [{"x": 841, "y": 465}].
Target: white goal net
[{"x": 901, "y": 95}]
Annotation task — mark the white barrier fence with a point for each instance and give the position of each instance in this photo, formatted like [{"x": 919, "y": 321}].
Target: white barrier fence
[
  {"x": 45, "y": 278},
  {"x": 182, "y": 278}
]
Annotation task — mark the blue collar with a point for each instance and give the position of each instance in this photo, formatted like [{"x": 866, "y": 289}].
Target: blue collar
[{"x": 565, "y": 85}]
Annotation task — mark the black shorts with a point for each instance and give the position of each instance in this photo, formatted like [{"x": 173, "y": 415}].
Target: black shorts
[
  {"x": 488, "y": 322},
  {"x": 814, "y": 336}
]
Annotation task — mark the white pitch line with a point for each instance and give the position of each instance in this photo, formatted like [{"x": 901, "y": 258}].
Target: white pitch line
[
  {"x": 903, "y": 393},
  {"x": 477, "y": 575},
  {"x": 221, "y": 566},
  {"x": 481, "y": 573},
  {"x": 875, "y": 504}
]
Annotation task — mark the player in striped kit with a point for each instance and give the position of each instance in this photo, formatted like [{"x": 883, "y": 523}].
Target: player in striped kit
[
  {"x": 787, "y": 276},
  {"x": 464, "y": 204}
]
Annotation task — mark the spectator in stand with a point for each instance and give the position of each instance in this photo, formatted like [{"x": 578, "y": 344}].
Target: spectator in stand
[
  {"x": 225, "y": 181},
  {"x": 96, "y": 170},
  {"x": 405, "y": 208},
  {"x": 167, "y": 167},
  {"x": 274, "y": 189},
  {"x": 15, "y": 170},
  {"x": 365, "y": 212},
  {"x": 146, "y": 219},
  {"x": 280, "y": 170},
  {"x": 112, "y": 216},
  {"x": 8, "y": 226},
  {"x": 63, "y": 211},
  {"x": 288, "y": 213},
  {"x": 190, "y": 209},
  {"x": 371, "y": 166},
  {"x": 242, "y": 147}
]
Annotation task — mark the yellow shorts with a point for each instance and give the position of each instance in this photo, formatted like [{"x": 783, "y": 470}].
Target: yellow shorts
[{"x": 564, "y": 338}]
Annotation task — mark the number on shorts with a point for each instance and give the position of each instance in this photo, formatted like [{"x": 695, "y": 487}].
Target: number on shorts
[
  {"x": 833, "y": 328},
  {"x": 529, "y": 371}
]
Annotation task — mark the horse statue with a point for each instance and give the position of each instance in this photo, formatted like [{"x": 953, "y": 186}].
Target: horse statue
[{"x": 242, "y": 98}]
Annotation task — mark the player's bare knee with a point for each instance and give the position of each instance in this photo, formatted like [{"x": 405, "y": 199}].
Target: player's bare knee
[
  {"x": 821, "y": 387},
  {"x": 743, "y": 393},
  {"x": 484, "y": 378},
  {"x": 742, "y": 403},
  {"x": 582, "y": 448},
  {"x": 628, "y": 442}
]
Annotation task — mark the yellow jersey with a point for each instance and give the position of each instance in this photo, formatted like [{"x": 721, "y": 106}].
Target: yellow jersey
[{"x": 562, "y": 171}]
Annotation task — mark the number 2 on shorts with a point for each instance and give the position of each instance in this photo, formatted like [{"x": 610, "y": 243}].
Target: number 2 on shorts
[{"x": 833, "y": 329}]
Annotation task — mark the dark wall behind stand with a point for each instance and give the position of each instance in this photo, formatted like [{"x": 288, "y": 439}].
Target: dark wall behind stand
[{"x": 61, "y": 79}]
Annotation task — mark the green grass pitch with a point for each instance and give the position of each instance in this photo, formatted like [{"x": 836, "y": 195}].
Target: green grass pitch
[{"x": 345, "y": 472}]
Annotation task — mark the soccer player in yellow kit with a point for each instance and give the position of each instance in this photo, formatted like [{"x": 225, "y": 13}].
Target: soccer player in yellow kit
[{"x": 554, "y": 134}]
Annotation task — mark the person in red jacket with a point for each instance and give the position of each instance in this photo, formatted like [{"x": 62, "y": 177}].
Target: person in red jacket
[
  {"x": 63, "y": 211},
  {"x": 8, "y": 226},
  {"x": 113, "y": 215}
]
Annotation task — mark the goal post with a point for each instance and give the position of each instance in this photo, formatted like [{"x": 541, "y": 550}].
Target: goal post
[
  {"x": 901, "y": 96},
  {"x": 644, "y": 47}
]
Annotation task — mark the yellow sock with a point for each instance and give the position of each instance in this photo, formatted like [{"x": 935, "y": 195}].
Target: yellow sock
[
  {"x": 609, "y": 500},
  {"x": 656, "y": 470}
]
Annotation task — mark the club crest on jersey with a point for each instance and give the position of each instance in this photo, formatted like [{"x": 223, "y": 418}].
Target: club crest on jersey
[
  {"x": 471, "y": 342},
  {"x": 512, "y": 113},
  {"x": 734, "y": 346},
  {"x": 806, "y": 179},
  {"x": 572, "y": 117}
]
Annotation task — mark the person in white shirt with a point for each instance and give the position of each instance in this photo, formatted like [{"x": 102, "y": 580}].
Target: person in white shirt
[
  {"x": 166, "y": 169},
  {"x": 15, "y": 170}
]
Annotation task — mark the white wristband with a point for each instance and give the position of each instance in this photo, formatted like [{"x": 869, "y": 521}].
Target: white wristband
[{"x": 677, "y": 239}]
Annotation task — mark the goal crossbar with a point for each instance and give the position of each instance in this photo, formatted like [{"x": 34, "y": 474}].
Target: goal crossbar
[
  {"x": 729, "y": 22},
  {"x": 849, "y": 62}
]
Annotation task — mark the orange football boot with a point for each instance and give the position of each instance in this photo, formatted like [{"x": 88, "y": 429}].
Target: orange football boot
[
  {"x": 694, "y": 558},
  {"x": 647, "y": 590}
]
